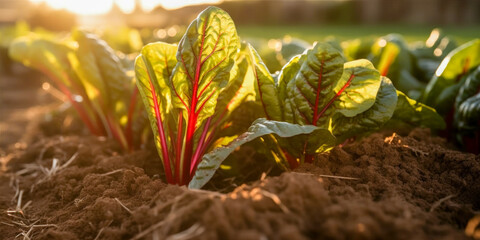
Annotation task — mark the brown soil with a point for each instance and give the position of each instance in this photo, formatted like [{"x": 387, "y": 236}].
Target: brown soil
[{"x": 383, "y": 187}]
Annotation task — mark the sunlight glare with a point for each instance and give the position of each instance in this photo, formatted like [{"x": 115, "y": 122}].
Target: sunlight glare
[
  {"x": 127, "y": 6},
  {"x": 94, "y": 7},
  {"x": 168, "y": 4},
  {"x": 148, "y": 5},
  {"x": 84, "y": 7}
]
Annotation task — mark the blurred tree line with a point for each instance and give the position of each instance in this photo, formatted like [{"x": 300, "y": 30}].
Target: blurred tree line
[
  {"x": 455, "y": 12},
  {"x": 428, "y": 12},
  {"x": 291, "y": 12}
]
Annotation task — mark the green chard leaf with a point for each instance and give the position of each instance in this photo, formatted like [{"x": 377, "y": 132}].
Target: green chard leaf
[
  {"x": 360, "y": 83},
  {"x": 357, "y": 48},
  {"x": 104, "y": 63},
  {"x": 452, "y": 69},
  {"x": 261, "y": 127},
  {"x": 265, "y": 87},
  {"x": 467, "y": 103},
  {"x": 205, "y": 57},
  {"x": 153, "y": 68},
  {"x": 289, "y": 71},
  {"x": 469, "y": 88},
  {"x": 45, "y": 55},
  {"x": 310, "y": 90},
  {"x": 156, "y": 63},
  {"x": 240, "y": 86},
  {"x": 468, "y": 114},
  {"x": 91, "y": 76},
  {"x": 369, "y": 120},
  {"x": 393, "y": 59},
  {"x": 190, "y": 99},
  {"x": 416, "y": 113},
  {"x": 108, "y": 85},
  {"x": 52, "y": 58},
  {"x": 326, "y": 84}
]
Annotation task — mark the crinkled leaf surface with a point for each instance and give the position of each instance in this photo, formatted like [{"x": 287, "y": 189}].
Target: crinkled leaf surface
[
  {"x": 240, "y": 85},
  {"x": 153, "y": 68},
  {"x": 205, "y": 57},
  {"x": 468, "y": 114},
  {"x": 382, "y": 110},
  {"x": 326, "y": 85},
  {"x": 311, "y": 91},
  {"x": 467, "y": 103},
  {"x": 288, "y": 73},
  {"x": 469, "y": 88}
]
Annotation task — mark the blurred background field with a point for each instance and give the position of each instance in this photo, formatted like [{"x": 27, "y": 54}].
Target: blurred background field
[
  {"x": 313, "y": 33},
  {"x": 311, "y": 20}
]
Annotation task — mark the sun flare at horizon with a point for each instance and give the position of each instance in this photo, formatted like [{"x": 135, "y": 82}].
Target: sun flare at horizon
[{"x": 96, "y": 7}]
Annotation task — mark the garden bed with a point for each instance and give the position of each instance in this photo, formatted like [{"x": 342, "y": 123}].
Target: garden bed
[{"x": 386, "y": 186}]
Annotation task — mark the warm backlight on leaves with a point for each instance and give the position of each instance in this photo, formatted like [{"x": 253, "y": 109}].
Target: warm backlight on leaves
[{"x": 93, "y": 7}]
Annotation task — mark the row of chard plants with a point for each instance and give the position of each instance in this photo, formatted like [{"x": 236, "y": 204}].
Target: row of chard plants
[{"x": 211, "y": 93}]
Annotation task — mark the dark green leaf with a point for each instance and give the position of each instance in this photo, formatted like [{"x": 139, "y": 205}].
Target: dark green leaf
[
  {"x": 457, "y": 64},
  {"x": 468, "y": 114},
  {"x": 467, "y": 103}
]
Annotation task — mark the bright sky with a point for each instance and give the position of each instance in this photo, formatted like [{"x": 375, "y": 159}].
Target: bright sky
[{"x": 88, "y": 7}]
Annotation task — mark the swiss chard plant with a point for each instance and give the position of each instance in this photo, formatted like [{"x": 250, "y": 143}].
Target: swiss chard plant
[
  {"x": 348, "y": 98},
  {"x": 191, "y": 90},
  {"x": 320, "y": 88},
  {"x": 92, "y": 78},
  {"x": 454, "y": 90}
]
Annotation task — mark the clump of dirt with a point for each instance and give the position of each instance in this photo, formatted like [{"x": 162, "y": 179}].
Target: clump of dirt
[
  {"x": 381, "y": 187},
  {"x": 417, "y": 168}
]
